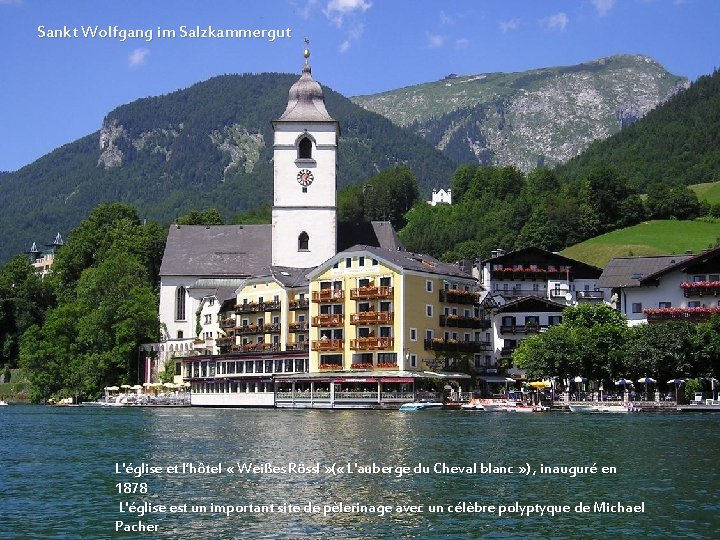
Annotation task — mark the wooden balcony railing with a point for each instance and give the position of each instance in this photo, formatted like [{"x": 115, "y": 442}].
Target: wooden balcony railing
[
  {"x": 334, "y": 319},
  {"x": 454, "y": 296},
  {"x": 372, "y": 344},
  {"x": 372, "y": 317},
  {"x": 328, "y": 296},
  {"x": 370, "y": 293},
  {"x": 300, "y": 326},
  {"x": 325, "y": 345},
  {"x": 455, "y": 346},
  {"x": 297, "y": 346},
  {"x": 298, "y": 304},
  {"x": 457, "y": 321}
]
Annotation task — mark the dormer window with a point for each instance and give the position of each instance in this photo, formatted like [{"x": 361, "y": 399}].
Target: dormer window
[{"x": 305, "y": 148}]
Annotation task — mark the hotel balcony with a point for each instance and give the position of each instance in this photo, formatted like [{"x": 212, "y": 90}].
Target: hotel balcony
[
  {"x": 227, "y": 323},
  {"x": 328, "y": 296},
  {"x": 257, "y": 307},
  {"x": 372, "y": 343},
  {"x": 325, "y": 345},
  {"x": 256, "y": 347},
  {"x": 521, "y": 328},
  {"x": 297, "y": 346},
  {"x": 249, "y": 329},
  {"x": 371, "y": 293},
  {"x": 329, "y": 319},
  {"x": 518, "y": 292},
  {"x": 298, "y": 304},
  {"x": 271, "y": 328},
  {"x": 531, "y": 272},
  {"x": 372, "y": 317},
  {"x": 451, "y": 345},
  {"x": 589, "y": 295},
  {"x": 695, "y": 315},
  {"x": 457, "y": 321},
  {"x": 453, "y": 296},
  {"x": 225, "y": 341},
  {"x": 300, "y": 326},
  {"x": 700, "y": 288}
]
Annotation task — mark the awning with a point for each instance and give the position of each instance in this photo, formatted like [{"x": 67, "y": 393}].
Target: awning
[
  {"x": 496, "y": 379},
  {"x": 356, "y": 379},
  {"x": 398, "y": 379}
]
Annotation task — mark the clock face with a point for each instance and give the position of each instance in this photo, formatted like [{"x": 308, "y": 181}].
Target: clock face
[{"x": 305, "y": 178}]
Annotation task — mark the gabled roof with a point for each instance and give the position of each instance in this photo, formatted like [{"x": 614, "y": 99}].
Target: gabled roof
[
  {"x": 377, "y": 233},
  {"x": 218, "y": 250},
  {"x": 534, "y": 255},
  {"x": 631, "y": 271},
  {"x": 531, "y": 304},
  {"x": 399, "y": 260},
  {"x": 692, "y": 264}
]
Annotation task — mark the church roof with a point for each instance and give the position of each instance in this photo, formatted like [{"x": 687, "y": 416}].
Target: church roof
[
  {"x": 218, "y": 250},
  {"x": 306, "y": 101}
]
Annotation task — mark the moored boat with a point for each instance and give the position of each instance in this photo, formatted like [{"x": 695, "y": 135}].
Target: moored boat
[
  {"x": 472, "y": 405},
  {"x": 600, "y": 408},
  {"x": 2, "y": 402},
  {"x": 421, "y": 405}
]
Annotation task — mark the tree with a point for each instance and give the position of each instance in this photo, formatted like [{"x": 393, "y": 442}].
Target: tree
[
  {"x": 210, "y": 216},
  {"x": 389, "y": 195}
]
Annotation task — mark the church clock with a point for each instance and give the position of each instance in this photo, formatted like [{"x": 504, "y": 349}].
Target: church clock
[{"x": 305, "y": 178}]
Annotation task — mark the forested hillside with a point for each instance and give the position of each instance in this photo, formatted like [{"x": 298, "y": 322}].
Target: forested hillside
[
  {"x": 209, "y": 145},
  {"x": 678, "y": 142}
]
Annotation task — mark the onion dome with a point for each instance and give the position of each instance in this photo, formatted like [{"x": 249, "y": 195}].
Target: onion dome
[{"x": 305, "y": 99}]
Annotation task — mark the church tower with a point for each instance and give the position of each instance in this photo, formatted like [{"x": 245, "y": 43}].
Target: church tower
[{"x": 304, "y": 220}]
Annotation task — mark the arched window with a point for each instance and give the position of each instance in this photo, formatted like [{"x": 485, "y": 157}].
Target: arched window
[
  {"x": 180, "y": 304},
  {"x": 303, "y": 241},
  {"x": 305, "y": 148},
  {"x": 180, "y": 335}
]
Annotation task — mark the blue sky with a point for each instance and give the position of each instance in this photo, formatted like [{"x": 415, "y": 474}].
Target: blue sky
[{"x": 54, "y": 90}]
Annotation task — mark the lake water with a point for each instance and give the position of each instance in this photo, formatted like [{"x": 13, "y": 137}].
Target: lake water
[{"x": 60, "y": 469}]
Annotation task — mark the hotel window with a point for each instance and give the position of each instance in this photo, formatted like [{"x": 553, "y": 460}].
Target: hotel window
[
  {"x": 348, "y": 262},
  {"x": 386, "y": 331},
  {"x": 429, "y": 286},
  {"x": 413, "y": 360},
  {"x": 413, "y": 334},
  {"x": 361, "y": 261},
  {"x": 664, "y": 305},
  {"x": 180, "y": 304},
  {"x": 429, "y": 310},
  {"x": 697, "y": 279},
  {"x": 714, "y": 277},
  {"x": 386, "y": 281},
  {"x": 385, "y": 307},
  {"x": 428, "y": 335},
  {"x": 208, "y": 319},
  {"x": 374, "y": 262},
  {"x": 694, "y": 304},
  {"x": 637, "y": 307}
]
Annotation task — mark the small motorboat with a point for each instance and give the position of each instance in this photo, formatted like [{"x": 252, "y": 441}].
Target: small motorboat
[
  {"x": 472, "y": 405},
  {"x": 3, "y": 402},
  {"x": 421, "y": 406},
  {"x": 599, "y": 408}
]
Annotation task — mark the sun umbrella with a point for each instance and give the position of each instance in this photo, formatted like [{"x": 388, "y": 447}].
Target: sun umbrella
[
  {"x": 580, "y": 379},
  {"x": 537, "y": 384},
  {"x": 676, "y": 382},
  {"x": 136, "y": 387},
  {"x": 112, "y": 388},
  {"x": 126, "y": 386},
  {"x": 646, "y": 380},
  {"x": 623, "y": 382},
  {"x": 169, "y": 385},
  {"x": 147, "y": 384}
]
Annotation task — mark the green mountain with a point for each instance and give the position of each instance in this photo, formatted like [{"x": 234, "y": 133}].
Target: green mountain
[
  {"x": 209, "y": 145},
  {"x": 678, "y": 142},
  {"x": 538, "y": 117}
]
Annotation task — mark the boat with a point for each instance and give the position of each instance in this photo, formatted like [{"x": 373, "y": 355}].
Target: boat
[
  {"x": 3, "y": 402},
  {"x": 472, "y": 405},
  {"x": 421, "y": 405},
  {"x": 506, "y": 405},
  {"x": 600, "y": 408}
]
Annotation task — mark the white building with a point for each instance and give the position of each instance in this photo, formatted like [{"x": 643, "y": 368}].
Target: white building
[
  {"x": 656, "y": 289},
  {"x": 440, "y": 196}
]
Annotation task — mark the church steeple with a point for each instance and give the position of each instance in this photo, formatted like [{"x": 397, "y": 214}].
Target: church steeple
[{"x": 304, "y": 220}]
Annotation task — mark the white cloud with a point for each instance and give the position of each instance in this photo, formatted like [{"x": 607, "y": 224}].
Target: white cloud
[
  {"x": 354, "y": 34},
  {"x": 435, "y": 40},
  {"x": 462, "y": 43},
  {"x": 511, "y": 24},
  {"x": 603, "y": 7},
  {"x": 337, "y": 10},
  {"x": 555, "y": 22},
  {"x": 446, "y": 19},
  {"x": 138, "y": 57},
  {"x": 307, "y": 6}
]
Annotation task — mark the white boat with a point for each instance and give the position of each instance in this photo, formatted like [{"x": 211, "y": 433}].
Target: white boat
[
  {"x": 600, "y": 408},
  {"x": 421, "y": 405},
  {"x": 472, "y": 405},
  {"x": 506, "y": 405},
  {"x": 2, "y": 402}
]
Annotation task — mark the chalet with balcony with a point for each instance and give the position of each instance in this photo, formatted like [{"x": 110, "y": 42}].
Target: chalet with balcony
[{"x": 656, "y": 289}]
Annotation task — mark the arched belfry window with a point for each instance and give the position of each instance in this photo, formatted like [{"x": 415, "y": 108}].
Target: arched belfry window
[
  {"x": 180, "y": 304},
  {"x": 305, "y": 148},
  {"x": 303, "y": 242}
]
